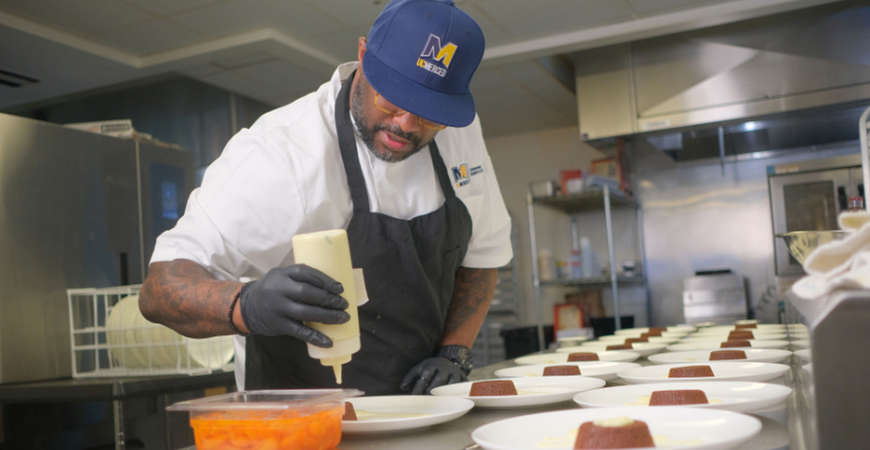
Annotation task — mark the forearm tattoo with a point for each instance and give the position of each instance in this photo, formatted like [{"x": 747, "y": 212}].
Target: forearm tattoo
[
  {"x": 472, "y": 293},
  {"x": 184, "y": 296}
]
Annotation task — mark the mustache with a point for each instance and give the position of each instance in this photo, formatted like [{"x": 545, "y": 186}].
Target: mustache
[{"x": 413, "y": 138}]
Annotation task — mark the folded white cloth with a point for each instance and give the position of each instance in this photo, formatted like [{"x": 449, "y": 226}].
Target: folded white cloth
[
  {"x": 853, "y": 220},
  {"x": 843, "y": 264}
]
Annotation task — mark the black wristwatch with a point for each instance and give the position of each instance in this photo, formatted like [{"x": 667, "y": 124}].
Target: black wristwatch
[{"x": 459, "y": 355}]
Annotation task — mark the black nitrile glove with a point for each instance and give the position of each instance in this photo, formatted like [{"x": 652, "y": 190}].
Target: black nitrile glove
[
  {"x": 277, "y": 304},
  {"x": 452, "y": 365}
]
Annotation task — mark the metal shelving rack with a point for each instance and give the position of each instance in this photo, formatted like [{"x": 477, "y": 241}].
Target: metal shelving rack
[{"x": 590, "y": 201}]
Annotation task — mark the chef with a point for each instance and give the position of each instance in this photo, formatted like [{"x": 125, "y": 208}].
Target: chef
[{"x": 390, "y": 149}]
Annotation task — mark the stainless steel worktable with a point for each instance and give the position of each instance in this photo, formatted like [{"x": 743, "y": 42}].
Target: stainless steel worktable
[
  {"x": 457, "y": 434},
  {"x": 119, "y": 391}
]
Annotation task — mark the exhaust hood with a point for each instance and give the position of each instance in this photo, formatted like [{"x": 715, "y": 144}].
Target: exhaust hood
[
  {"x": 798, "y": 129},
  {"x": 794, "y": 79}
]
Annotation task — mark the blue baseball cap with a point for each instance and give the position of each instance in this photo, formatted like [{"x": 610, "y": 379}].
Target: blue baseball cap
[{"x": 421, "y": 54}]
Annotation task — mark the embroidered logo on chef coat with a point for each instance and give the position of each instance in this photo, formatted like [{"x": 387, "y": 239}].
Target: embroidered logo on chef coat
[
  {"x": 462, "y": 174},
  {"x": 434, "y": 56}
]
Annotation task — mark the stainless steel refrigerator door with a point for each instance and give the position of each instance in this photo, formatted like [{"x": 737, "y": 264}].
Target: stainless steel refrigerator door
[
  {"x": 69, "y": 220},
  {"x": 166, "y": 177}
]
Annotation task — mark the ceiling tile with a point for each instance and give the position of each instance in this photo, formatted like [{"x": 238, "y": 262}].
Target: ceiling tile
[
  {"x": 150, "y": 37},
  {"x": 294, "y": 18},
  {"x": 525, "y": 20},
  {"x": 87, "y": 19},
  {"x": 647, "y": 7},
  {"x": 170, "y": 7}
]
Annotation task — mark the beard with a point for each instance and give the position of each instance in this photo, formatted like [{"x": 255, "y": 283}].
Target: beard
[{"x": 367, "y": 131}]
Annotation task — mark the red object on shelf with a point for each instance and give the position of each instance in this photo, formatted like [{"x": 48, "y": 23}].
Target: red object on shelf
[{"x": 572, "y": 181}]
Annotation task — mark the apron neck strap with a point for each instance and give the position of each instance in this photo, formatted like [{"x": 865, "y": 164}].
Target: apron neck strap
[
  {"x": 350, "y": 158},
  {"x": 347, "y": 145}
]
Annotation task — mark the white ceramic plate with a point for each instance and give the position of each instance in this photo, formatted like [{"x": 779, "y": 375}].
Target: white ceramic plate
[
  {"x": 641, "y": 348},
  {"x": 605, "y": 370},
  {"x": 571, "y": 340},
  {"x": 558, "y": 358},
  {"x": 691, "y": 356},
  {"x": 531, "y": 391},
  {"x": 403, "y": 412},
  {"x": 620, "y": 338},
  {"x": 724, "y": 337},
  {"x": 800, "y": 343},
  {"x": 675, "y": 328},
  {"x": 804, "y": 355},
  {"x": 708, "y": 345},
  {"x": 762, "y": 328},
  {"x": 686, "y": 428},
  {"x": 739, "y": 396},
  {"x": 732, "y": 371}
]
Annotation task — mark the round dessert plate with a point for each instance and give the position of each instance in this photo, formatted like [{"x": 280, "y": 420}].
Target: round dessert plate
[
  {"x": 686, "y": 428},
  {"x": 620, "y": 338},
  {"x": 746, "y": 322},
  {"x": 531, "y": 391},
  {"x": 641, "y": 348},
  {"x": 692, "y": 356},
  {"x": 559, "y": 357},
  {"x": 724, "y": 337},
  {"x": 803, "y": 354},
  {"x": 675, "y": 328},
  {"x": 731, "y": 371},
  {"x": 665, "y": 334},
  {"x": 402, "y": 412},
  {"x": 605, "y": 370},
  {"x": 572, "y": 340},
  {"x": 739, "y": 396},
  {"x": 704, "y": 324},
  {"x": 713, "y": 344},
  {"x": 762, "y": 327},
  {"x": 800, "y": 343}
]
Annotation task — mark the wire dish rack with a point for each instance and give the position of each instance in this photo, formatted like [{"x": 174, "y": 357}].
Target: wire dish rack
[{"x": 109, "y": 337}]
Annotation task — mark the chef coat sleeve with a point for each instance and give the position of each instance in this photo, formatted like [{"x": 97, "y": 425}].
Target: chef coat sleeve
[
  {"x": 490, "y": 244},
  {"x": 236, "y": 222}
]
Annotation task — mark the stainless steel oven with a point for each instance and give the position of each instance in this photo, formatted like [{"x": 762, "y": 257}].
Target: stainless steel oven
[{"x": 809, "y": 195}]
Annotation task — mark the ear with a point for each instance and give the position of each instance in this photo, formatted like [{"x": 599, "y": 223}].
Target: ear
[{"x": 361, "y": 48}]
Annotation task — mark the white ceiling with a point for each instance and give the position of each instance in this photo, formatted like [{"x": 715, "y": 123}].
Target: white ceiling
[{"x": 276, "y": 50}]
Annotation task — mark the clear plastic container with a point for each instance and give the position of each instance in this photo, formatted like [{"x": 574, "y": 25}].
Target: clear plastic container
[{"x": 269, "y": 419}]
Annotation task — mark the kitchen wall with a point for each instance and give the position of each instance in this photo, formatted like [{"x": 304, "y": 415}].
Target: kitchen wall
[
  {"x": 700, "y": 216},
  {"x": 199, "y": 117},
  {"x": 523, "y": 158}
]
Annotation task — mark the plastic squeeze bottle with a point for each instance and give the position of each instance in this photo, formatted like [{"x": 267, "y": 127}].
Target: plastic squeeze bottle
[{"x": 328, "y": 251}]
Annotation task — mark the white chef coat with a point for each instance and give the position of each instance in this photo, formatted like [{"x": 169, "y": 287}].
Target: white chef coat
[{"x": 285, "y": 176}]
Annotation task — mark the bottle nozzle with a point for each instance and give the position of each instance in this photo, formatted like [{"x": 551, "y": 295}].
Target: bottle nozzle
[{"x": 336, "y": 365}]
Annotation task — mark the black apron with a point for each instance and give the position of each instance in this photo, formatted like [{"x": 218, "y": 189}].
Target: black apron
[{"x": 410, "y": 268}]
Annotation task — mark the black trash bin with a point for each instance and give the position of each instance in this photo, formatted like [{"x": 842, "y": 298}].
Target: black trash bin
[
  {"x": 524, "y": 340},
  {"x": 605, "y": 325}
]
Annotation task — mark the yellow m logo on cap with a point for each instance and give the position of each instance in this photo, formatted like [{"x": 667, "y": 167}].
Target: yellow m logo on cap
[{"x": 434, "y": 50}]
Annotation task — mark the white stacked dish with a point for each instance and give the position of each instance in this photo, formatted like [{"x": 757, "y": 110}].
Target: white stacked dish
[
  {"x": 691, "y": 356},
  {"x": 562, "y": 357},
  {"x": 739, "y": 396},
  {"x": 722, "y": 371},
  {"x": 686, "y": 428},
  {"x": 531, "y": 391},
  {"x": 604, "y": 370}
]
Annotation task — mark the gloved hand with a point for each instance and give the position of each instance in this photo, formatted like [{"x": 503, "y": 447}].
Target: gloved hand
[
  {"x": 277, "y": 304},
  {"x": 431, "y": 373}
]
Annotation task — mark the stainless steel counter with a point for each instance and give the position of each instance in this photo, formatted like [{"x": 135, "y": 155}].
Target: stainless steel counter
[{"x": 455, "y": 435}]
